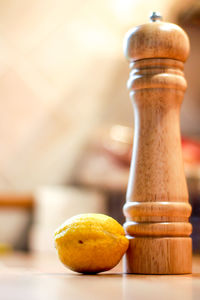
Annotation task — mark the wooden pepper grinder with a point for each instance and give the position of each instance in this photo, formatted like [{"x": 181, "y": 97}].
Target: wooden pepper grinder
[{"x": 157, "y": 208}]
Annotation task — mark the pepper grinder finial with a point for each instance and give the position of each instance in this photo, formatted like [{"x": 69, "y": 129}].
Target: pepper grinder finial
[{"x": 155, "y": 16}]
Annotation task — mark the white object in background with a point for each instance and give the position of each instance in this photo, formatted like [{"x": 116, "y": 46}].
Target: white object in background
[
  {"x": 54, "y": 205},
  {"x": 13, "y": 224}
]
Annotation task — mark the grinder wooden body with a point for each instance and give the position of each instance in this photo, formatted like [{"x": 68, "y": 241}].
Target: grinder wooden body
[{"x": 157, "y": 208}]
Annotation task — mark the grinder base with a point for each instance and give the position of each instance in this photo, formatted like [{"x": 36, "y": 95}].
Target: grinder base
[{"x": 148, "y": 255}]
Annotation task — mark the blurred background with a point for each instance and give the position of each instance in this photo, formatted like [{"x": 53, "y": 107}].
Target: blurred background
[{"x": 66, "y": 121}]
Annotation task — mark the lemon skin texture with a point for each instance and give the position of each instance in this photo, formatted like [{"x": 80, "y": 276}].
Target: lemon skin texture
[{"x": 90, "y": 243}]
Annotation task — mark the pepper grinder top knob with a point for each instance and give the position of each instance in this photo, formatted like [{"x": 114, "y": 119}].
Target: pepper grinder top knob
[
  {"x": 155, "y": 16},
  {"x": 156, "y": 39}
]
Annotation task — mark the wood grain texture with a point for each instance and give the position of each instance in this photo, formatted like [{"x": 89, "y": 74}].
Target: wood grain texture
[
  {"x": 159, "y": 256},
  {"x": 157, "y": 208},
  {"x": 169, "y": 41}
]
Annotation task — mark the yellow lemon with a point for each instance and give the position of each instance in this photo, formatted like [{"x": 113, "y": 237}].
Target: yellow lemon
[{"x": 90, "y": 243}]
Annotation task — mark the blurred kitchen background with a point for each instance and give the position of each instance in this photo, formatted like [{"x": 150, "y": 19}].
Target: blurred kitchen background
[{"x": 66, "y": 121}]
